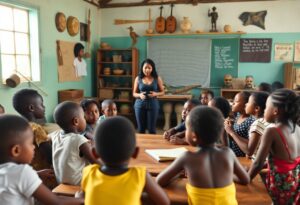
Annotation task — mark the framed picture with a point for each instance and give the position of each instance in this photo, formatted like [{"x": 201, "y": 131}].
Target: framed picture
[{"x": 83, "y": 32}]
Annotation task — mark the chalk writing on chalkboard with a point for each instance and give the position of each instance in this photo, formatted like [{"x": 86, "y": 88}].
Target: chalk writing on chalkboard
[
  {"x": 223, "y": 59},
  {"x": 255, "y": 50}
]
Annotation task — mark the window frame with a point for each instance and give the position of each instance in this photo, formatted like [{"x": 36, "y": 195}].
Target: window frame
[{"x": 33, "y": 39}]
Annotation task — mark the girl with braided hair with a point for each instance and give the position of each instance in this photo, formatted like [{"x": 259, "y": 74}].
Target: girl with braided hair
[{"x": 281, "y": 144}]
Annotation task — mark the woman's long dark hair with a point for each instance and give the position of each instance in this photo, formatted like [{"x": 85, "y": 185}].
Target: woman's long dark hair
[{"x": 153, "y": 73}]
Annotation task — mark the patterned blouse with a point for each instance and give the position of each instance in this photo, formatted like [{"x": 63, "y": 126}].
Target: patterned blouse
[{"x": 242, "y": 130}]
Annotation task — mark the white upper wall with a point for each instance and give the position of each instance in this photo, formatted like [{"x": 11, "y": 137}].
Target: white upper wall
[{"x": 283, "y": 16}]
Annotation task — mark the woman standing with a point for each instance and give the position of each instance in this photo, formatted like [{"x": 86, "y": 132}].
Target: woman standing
[{"x": 147, "y": 86}]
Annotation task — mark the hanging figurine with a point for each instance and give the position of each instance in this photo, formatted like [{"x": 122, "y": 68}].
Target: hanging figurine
[
  {"x": 214, "y": 17},
  {"x": 133, "y": 35}
]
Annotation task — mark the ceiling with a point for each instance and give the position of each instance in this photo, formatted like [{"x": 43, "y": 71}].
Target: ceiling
[{"x": 129, "y": 3}]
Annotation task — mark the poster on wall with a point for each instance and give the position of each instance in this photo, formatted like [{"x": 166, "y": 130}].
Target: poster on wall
[
  {"x": 283, "y": 52},
  {"x": 297, "y": 51},
  {"x": 65, "y": 59},
  {"x": 255, "y": 50}
]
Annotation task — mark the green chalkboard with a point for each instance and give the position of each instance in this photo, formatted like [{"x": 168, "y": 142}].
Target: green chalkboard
[{"x": 224, "y": 60}]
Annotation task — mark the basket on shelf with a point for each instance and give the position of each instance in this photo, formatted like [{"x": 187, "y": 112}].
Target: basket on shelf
[{"x": 118, "y": 71}]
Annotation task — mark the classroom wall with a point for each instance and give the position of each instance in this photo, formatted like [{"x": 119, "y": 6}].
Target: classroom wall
[
  {"x": 282, "y": 25},
  {"x": 48, "y": 36}
]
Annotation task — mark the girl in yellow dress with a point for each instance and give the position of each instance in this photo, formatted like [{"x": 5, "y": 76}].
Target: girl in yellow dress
[{"x": 210, "y": 170}]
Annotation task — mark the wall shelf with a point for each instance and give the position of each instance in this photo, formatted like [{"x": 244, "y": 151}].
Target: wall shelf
[{"x": 197, "y": 34}]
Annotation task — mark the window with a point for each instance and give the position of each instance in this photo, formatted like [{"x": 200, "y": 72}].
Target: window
[{"x": 19, "y": 45}]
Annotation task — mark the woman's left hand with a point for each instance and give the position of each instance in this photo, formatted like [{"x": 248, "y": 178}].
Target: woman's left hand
[{"x": 152, "y": 94}]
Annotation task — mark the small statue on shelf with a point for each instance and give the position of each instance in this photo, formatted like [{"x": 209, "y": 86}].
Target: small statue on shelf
[
  {"x": 228, "y": 81},
  {"x": 133, "y": 35},
  {"x": 249, "y": 82},
  {"x": 214, "y": 16}
]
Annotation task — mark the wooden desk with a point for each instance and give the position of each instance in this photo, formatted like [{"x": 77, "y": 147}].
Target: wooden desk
[{"x": 252, "y": 194}]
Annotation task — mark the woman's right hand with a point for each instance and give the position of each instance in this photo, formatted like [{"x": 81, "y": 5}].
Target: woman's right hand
[{"x": 143, "y": 95}]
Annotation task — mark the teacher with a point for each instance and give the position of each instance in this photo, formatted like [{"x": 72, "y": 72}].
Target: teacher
[{"x": 147, "y": 86}]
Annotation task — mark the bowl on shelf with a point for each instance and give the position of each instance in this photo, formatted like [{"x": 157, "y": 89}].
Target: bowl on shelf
[
  {"x": 118, "y": 71},
  {"x": 106, "y": 71}
]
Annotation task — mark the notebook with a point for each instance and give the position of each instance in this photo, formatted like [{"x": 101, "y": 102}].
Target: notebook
[{"x": 162, "y": 155}]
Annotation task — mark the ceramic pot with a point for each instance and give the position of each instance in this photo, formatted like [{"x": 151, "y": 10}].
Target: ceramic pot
[
  {"x": 185, "y": 25},
  {"x": 227, "y": 29}
]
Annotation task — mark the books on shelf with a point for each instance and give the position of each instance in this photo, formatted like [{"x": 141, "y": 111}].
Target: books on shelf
[{"x": 162, "y": 155}]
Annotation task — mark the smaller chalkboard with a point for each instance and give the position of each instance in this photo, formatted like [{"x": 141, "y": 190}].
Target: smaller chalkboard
[{"x": 255, "y": 50}]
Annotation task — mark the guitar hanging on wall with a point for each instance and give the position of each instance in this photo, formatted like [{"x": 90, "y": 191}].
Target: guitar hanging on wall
[
  {"x": 171, "y": 22},
  {"x": 160, "y": 23}
]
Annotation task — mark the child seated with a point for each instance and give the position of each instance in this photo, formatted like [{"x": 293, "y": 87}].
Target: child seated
[
  {"x": 238, "y": 128},
  {"x": 206, "y": 96},
  {"x": 108, "y": 109},
  {"x": 2, "y": 110},
  {"x": 71, "y": 151},
  {"x": 210, "y": 170},
  {"x": 176, "y": 134},
  {"x": 29, "y": 103},
  {"x": 223, "y": 105},
  {"x": 19, "y": 182},
  {"x": 91, "y": 115},
  {"x": 114, "y": 182},
  {"x": 281, "y": 145}
]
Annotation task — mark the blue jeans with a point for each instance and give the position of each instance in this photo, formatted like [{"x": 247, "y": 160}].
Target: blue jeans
[{"x": 146, "y": 119}]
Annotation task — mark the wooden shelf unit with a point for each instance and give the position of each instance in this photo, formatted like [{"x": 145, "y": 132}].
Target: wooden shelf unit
[{"x": 112, "y": 85}]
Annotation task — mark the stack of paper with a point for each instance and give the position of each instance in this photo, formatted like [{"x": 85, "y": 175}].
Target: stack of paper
[{"x": 166, "y": 154}]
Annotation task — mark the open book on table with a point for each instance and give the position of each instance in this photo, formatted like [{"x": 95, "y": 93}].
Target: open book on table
[{"x": 162, "y": 155}]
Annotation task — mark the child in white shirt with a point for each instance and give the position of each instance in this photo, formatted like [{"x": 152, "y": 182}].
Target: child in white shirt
[
  {"x": 71, "y": 151},
  {"x": 19, "y": 183}
]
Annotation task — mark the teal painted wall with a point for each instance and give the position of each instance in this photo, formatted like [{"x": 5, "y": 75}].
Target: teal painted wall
[
  {"x": 262, "y": 72},
  {"x": 48, "y": 36}
]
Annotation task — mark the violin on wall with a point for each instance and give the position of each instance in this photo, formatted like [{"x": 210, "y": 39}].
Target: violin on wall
[
  {"x": 171, "y": 22},
  {"x": 160, "y": 23}
]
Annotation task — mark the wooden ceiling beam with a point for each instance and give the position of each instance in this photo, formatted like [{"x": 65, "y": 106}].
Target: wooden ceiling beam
[{"x": 108, "y": 3}]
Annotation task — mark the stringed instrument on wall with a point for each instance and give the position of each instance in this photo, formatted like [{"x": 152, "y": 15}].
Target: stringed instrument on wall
[
  {"x": 171, "y": 22},
  {"x": 160, "y": 23}
]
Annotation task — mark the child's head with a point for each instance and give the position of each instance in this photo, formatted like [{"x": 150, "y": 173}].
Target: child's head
[
  {"x": 256, "y": 104},
  {"x": 188, "y": 106},
  {"x": 29, "y": 103},
  {"x": 2, "y": 110},
  {"x": 266, "y": 87},
  {"x": 222, "y": 104},
  {"x": 70, "y": 117},
  {"x": 204, "y": 126},
  {"x": 283, "y": 105},
  {"x": 91, "y": 110},
  {"x": 206, "y": 96},
  {"x": 109, "y": 108},
  {"x": 276, "y": 85},
  {"x": 16, "y": 140},
  {"x": 115, "y": 140},
  {"x": 78, "y": 50},
  {"x": 239, "y": 102}
]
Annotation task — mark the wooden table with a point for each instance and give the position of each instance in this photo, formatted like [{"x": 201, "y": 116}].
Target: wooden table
[{"x": 253, "y": 194}]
